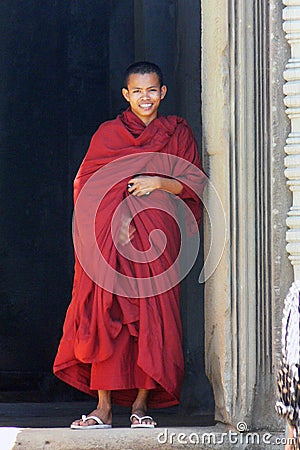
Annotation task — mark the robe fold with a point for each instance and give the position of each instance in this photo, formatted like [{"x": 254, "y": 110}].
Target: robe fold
[{"x": 122, "y": 329}]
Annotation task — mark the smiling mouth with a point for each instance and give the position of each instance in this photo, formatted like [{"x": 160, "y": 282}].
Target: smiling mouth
[{"x": 146, "y": 105}]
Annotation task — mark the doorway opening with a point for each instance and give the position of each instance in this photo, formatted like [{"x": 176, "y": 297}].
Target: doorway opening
[{"x": 51, "y": 107}]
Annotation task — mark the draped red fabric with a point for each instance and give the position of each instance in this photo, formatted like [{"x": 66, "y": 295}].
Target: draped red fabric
[{"x": 122, "y": 329}]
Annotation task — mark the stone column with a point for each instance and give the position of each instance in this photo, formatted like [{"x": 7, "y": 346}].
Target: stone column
[
  {"x": 215, "y": 123},
  {"x": 291, "y": 16},
  {"x": 243, "y": 134}
]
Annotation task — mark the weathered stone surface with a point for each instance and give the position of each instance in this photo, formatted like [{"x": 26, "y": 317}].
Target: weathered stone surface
[
  {"x": 244, "y": 126},
  {"x": 126, "y": 439}
]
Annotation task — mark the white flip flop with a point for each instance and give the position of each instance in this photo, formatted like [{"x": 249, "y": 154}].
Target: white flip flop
[
  {"x": 140, "y": 420},
  {"x": 84, "y": 418}
]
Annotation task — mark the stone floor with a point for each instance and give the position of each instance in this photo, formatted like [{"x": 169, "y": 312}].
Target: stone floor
[
  {"x": 61, "y": 414},
  {"x": 36, "y": 426}
]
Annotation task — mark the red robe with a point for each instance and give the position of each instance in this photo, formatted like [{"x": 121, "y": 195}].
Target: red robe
[{"x": 121, "y": 334}]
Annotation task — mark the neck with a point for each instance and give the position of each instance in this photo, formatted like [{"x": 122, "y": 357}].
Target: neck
[{"x": 146, "y": 120}]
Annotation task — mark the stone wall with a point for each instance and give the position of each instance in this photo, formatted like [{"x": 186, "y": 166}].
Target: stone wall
[{"x": 244, "y": 128}]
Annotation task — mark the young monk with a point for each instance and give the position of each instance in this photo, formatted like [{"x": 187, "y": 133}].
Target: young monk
[{"x": 122, "y": 340}]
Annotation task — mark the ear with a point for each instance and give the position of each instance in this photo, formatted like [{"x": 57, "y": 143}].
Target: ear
[
  {"x": 163, "y": 91},
  {"x": 125, "y": 94}
]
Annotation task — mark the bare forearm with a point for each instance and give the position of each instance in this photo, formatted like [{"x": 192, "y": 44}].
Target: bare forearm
[
  {"x": 169, "y": 185},
  {"x": 143, "y": 185}
]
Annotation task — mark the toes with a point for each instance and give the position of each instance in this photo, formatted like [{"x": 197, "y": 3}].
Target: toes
[
  {"x": 134, "y": 420},
  {"x": 89, "y": 422},
  {"x": 149, "y": 422},
  {"x": 85, "y": 423},
  {"x": 78, "y": 423},
  {"x": 145, "y": 421}
]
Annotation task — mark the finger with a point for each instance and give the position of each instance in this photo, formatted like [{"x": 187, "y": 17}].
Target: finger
[
  {"x": 139, "y": 191},
  {"x": 147, "y": 191},
  {"x": 126, "y": 237},
  {"x": 140, "y": 194},
  {"x": 130, "y": 187},
  {"x": 133, "y": 187},
  {"x": 133, "y": 182}
]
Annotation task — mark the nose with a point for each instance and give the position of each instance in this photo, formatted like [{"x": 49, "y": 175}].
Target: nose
[{"x": 145, "y": 95}]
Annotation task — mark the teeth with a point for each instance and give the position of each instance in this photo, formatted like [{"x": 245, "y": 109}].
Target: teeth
[{"x": 146, "y": 105}]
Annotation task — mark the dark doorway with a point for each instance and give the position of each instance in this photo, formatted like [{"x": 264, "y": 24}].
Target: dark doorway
[{"x": 61, "y": 69}]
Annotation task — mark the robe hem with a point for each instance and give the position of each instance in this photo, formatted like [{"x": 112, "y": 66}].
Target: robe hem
[{"x": 93, "y": 393}]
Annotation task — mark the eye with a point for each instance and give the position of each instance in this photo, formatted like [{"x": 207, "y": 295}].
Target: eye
[{"x": 135, "y": 91}]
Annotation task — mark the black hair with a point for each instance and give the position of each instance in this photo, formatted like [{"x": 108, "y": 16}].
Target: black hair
[{"x": 143, "y": 67}]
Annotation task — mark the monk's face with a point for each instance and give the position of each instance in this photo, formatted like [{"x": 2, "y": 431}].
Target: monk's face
[{"x": 144, "y": 94}]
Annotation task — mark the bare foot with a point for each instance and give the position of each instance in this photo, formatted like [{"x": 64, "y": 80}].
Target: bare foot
[
  {"x": 104, "y": 415},
  {"x": 141, "y": 413}
]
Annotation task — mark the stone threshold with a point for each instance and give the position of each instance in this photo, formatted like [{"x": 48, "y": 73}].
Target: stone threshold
[
  {"x": 45, "y": 426},
  {"x": 216, "y": 437}
]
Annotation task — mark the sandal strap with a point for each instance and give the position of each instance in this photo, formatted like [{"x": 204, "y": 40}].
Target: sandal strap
[
  {"x": 147, "y": 417},
  {"x": 140, "y": 419},
  {"x": 135, "y": 416},
  {"x": 85, "y": 418}
]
